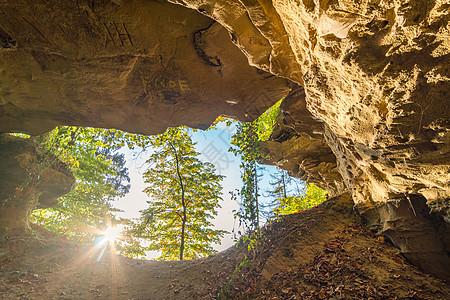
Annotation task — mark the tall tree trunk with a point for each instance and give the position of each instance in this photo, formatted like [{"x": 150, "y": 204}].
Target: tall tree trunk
[
  {"x": 256, "y": 198},
  {"x": 183, "y": 202}
]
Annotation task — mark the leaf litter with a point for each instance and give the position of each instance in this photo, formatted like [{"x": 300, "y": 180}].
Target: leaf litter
[{"x": 322, "y": 253}]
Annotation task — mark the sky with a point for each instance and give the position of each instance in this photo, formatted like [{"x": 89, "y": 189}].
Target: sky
[{"x": 213, "y": 146}]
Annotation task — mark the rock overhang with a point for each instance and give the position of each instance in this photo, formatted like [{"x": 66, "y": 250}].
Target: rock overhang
[{"x": 375, "y": 84}]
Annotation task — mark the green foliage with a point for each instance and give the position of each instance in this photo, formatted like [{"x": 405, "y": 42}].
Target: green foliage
[
  {"x": 129, "y": 244},
  {"x": 282, "y": 185},
  {"x": 185, "y": 194},
  {"x": 101, "y": 177},
  {"x": 228, "y": 121},
  {"x": 266, "y": 122},
  {"x": 312, "y": 197},
  {"x": 246, "y": 142},
  {"x": 22, "y": 135}
]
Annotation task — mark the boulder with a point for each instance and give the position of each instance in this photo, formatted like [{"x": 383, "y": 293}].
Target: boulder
[{"x": 29, "y": 179}]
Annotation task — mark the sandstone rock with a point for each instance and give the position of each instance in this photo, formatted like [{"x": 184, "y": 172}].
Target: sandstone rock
[
  {"x": 421, "y": 235},
  {"x": 140, "y": 67},
  {"x": 376, "y": 73},
  {"x": 297, "y": 145},
  {"x": 28, "y": 180}
]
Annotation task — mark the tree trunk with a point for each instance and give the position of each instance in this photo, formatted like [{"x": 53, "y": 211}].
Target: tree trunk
[
  {"x": 256, "y": 198},
  {"x": 183, "y": 226},
  {"x": 183, "y": 202}
]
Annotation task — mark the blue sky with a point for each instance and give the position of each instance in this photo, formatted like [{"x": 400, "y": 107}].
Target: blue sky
[{"x": 213, "y": 146}]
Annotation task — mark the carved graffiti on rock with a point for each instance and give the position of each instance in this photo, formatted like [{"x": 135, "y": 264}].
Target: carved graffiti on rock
[
  {"x": 158, "y": 83},
  {"x": 117, "y": 34}
]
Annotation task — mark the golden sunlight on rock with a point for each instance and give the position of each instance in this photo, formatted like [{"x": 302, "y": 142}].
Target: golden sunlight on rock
[{"x": 365, "y": 116}]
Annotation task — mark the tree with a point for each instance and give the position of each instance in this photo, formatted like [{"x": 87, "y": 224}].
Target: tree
[
  {"x": 246, "y": 143},
  {"x": 280, "y": 187},
  {"x": 312, "y": 197},
  {"x": 280, "y": 184},
  {"x": 101, "y": 177},
  {"x": 185, "y": 195},
  {"x": 288, "y": 196},
  {"x": 266, "y": 122}
]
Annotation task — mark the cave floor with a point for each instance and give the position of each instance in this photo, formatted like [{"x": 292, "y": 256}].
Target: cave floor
[
  {"x": 58, "y": 269},
  {"x": 322, "y": 253}
]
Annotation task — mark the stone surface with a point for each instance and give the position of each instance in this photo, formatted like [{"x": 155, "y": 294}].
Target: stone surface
[
  {"x": 375, "y": 73},
  {"x": 28, "y": 179},
  {"x": 297, "y": 145},
  {"x": 139, "y": 66},
  {"x": 422, "y": 236}
]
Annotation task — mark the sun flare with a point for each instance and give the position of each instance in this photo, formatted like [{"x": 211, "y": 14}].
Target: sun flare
[{"x": 111, "y": 234}]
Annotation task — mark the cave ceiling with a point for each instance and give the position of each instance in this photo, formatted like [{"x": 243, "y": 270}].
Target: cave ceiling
[
  {"x": 140, "y": 66},
  {"x": 366, "y": 85}
]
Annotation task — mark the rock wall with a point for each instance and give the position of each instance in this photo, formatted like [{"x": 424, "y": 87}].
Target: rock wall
[
  {"x": 375, "y": 77},
  {"x": 140, "y": 66},
  {"x": 297, "y": 144},
  {"x": 376, "y": 73},
  {"x": 29, "y": 179}
]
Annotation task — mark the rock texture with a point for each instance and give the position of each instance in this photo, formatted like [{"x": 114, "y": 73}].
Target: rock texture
[
  {"x": 297, "y": 144},
  {"x": 376, "y": 73},
  {"x": 375, "y": 76},
  {"x": 28, "y": 179},
  {"x": 136, "y": 65}
]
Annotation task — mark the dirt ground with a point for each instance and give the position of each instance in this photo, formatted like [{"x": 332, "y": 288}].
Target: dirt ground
[{"x": 322, "y": 253}]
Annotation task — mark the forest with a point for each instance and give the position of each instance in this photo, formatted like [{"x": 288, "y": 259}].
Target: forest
[{"x": 184, "y": 193}]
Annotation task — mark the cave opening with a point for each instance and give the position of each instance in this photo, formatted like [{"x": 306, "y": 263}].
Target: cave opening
[
  {"x": 111, "y": 170},
  {"x": 365, "y": 117}
]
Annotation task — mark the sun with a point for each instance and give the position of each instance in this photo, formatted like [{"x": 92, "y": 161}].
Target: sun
[{"x": 111, "y": 234}]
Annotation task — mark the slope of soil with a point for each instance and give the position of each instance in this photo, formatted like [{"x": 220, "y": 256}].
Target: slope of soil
[{"x": 322, "y": 253}]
